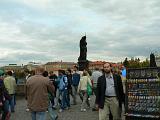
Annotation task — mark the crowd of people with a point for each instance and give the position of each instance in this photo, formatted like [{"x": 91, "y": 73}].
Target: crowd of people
[{"x": 46, "y": 92}]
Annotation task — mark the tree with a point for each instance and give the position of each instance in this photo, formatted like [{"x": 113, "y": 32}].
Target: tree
[
  {"x": 145, "y": 63},
  {"x": 135, "y": 63}
]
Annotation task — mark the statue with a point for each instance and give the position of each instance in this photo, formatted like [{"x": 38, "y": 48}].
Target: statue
[
  {"x": 82, "y": 59},
  {"x": 152, "y": 60},
  {"x": 83, "y": 49}
]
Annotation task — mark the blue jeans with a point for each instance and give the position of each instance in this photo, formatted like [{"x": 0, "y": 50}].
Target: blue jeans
[
  {"x": 38, "y": 115},
  {"x": 12, "y": 103},
  {"x": 65, "y": 100},
  {"x": 51, "y": 112}
]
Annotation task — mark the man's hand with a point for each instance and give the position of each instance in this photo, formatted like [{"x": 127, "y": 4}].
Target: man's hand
[{"x": 97, "y": 107}]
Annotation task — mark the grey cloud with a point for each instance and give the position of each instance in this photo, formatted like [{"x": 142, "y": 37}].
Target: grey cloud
[{"x": 49, "y": 37}]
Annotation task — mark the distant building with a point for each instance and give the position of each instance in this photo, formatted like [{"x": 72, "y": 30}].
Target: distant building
[
  {"x": 99, "y": 64},
  {"x": 55, "y": 66},
  {"x": 32, "y": 66},
  {"x": 96, "y": 64},
  {"x": 12, "y": 67}
]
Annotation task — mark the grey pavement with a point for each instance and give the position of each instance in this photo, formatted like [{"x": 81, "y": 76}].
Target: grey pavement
[{"x": 73, "y": 113}]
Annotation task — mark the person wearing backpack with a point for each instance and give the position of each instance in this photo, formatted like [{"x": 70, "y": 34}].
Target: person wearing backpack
[
  {"x": 63, "y": 85},
  {"x": 75, "y": 82}
]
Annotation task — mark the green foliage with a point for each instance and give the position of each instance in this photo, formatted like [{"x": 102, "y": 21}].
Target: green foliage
[{"x": 135, "y": 63}]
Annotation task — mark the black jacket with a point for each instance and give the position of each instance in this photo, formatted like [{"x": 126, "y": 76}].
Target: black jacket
[{"x": 101, "y": 88}]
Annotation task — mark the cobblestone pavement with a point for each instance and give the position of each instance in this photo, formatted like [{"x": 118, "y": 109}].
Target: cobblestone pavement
[{"x": 73, "y": 113}]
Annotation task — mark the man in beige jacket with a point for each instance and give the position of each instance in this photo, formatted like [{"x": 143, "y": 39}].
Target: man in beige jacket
[{"x": 37, "y": 89}]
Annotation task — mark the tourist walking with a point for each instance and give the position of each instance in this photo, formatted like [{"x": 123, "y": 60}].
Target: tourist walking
[
  {"x": 69, "y": 78},
  {"x": 75, "y": 82},
  {"x": 82, "y": 90},
  {"x": 37, "y": 88},
  {"x": 63, "y": 85},
  {"x": 10, "y": 84},
  {"x": 51, "y": 111},
  {"x": 95, "y": 75},
  {"x": 53, "y": 78},
  {"x": 110, "y": 94},
  {"x": 27, "y": 74}
]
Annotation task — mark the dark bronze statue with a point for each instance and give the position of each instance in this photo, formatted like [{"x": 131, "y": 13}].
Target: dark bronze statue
[
  {"x": 82, "y": 59},
  {"x": 83, "y": 49},
  {"x": 152, "y": 60}
]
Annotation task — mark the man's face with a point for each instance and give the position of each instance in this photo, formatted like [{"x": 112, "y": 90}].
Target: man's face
[
  {"x": 67, "y": 72},
  {"x": 74, "y": 69},
  {"x": 107, "y": 68}
]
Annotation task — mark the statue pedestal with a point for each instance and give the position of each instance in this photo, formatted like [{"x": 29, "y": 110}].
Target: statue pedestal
[{"x": 83, "y": 64}]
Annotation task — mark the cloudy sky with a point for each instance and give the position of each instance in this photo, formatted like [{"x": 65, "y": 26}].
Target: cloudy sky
[{"x": 50, "y": 30}]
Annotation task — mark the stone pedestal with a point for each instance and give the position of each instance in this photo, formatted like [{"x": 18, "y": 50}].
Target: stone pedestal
[{"x": 83, "y": 64}]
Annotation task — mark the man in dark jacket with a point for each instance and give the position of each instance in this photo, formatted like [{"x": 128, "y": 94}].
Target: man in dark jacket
[
  {"x": 110, "y": 94},
  {"x": 75, "y": 82}
]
